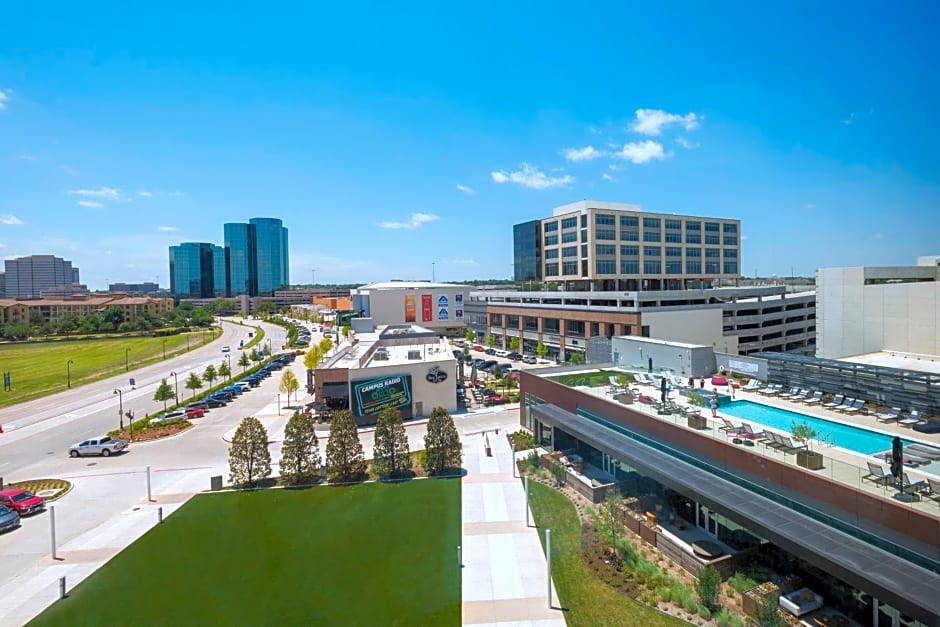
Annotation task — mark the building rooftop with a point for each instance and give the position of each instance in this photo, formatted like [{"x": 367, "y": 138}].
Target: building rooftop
[
  {"x": 894, "y": 359},
  {"x": 413, "y": 285},
  {"x": 649, "y": 340},
  {"x": 394, "y": 345}
]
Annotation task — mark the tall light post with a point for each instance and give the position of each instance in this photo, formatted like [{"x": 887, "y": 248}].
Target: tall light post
[
  {"x": 126, "y": 364},
  {"x": 68, "y": 372},
  {"x": 228, "y": 356},
  {"x": 176, "y": 384},
  {"x": 164, "y": 349},
  {"x": 433, "y": 280},
  {"x": 120, "y": 406},
  {"x": 279, "y": 404}
]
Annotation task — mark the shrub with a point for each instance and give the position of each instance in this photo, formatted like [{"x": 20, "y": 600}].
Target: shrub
[
  {"x": 768, "y": 615},
  {"x": 523, "y": 440},
  {"x": 741, "y": 582},
  {"x": 707, "y": 586}
]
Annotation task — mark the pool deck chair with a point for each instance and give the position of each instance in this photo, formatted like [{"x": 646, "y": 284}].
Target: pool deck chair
[
  {"x": 793, "y": 394},
  {"x": 816, "y": 398},
  {"x": 877, "y": 473},
  {"x": 835, "y": 402},
  {"x": 889, "y": 416},
  {"x": 770, "y": 390},
  {"x": 912, "y": 488},
  {"x": 729, "y": 426},
  {"x": 807, "y": 393},
  {"x": 751, "y": 385},
  {"x": 848, "y": 403},
  {"x": 856, "y": 407},
  {"x": 785, "y": 444},
  {"x": 934, "y": 485}
]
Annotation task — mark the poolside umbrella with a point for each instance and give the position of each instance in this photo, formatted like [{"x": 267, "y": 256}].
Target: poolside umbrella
[
  {"x": 662, "y": 389},
  {"x": 897, "y": 458},
  {"x": 473, "y": 373}
]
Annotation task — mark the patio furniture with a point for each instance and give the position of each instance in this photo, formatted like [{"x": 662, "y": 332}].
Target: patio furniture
[
  {"x": 835, "y": 402},
  {"x": 707, "y": 550},
  {"x": 913, "y": 487},
  {"x": 729, "y": 426},
  {"x": 856, "y": 407},
  {"x": 928, "y": 426},
  {"x": 845, "y": 405},
  {"x": 785, "y": 444},
  {"x": 801, "y": 601},
  {"x": 816, "y": 398},
  {"x": 890, "y": 416},
  {"x": 771, "y": 389},
  {"x": 751, "y": 385},
  {"x": 933, "y": 488},
  {"x": 925, "y": 450},
  {"x": 877, "y": 474}
]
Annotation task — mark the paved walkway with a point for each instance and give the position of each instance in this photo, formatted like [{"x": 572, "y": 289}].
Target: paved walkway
[{"x": 504, "y": 576}]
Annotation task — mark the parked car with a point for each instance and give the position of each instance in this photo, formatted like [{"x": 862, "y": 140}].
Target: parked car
[
  {"x": 529, "y": 359},
  {"x": 514, "y": 356},
  {"x": 22, "y": 502},
  {"x": 495, "y": 399},
  {"x": 203, "y": 405},
  {"x": 102, "y": 445},
  {"x": 9, "y": 519},
  {"x": 167, "y": 417},
  {"x": 478, "y": 348},
  {"x": 215, "y": 401},
  {"x": 194, "y": 412},
  {"x": 490, "y": 351}
]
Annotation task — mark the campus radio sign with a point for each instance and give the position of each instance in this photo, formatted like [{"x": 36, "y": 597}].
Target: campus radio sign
[{"x": 370, "y": 397}]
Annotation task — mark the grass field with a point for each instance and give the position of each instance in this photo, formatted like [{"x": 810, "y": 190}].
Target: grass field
[
  {"x": 370, "y": 554},
  {"x": 588, "y": 600},
  {"x": 593, "y": 379},
  {"x": 40, "y": 368}
]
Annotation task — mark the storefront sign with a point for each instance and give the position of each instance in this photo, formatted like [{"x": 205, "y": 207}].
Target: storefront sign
[
  {"x": 458, "y": 306},
  {"x": 436, "y": 375},
  {"x": 427, "y": 308},
  {"x": 374, "y": 395},
  {"x": 442, "y": 304},
  {"x": 410, "y": 308}
]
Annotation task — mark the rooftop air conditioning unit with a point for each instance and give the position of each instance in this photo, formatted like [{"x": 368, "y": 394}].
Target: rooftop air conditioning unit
[
  {"x": 414, "y": 354},
  {"x": 381, "y": 355}
]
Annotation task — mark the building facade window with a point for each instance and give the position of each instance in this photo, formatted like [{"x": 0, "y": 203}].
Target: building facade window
[
  {"x": 693, "y": 252},
  {"x": 605, "y": 266},
  {"x": 629, "y": 251},
  {"x": 551, "y": 240},
  {"x": 630, "y": 236},
  {"x": 629, "y": 267},
  {"x": 603, "y": 219},
  {"x": 605, "y": 250},
  {"x": 512, "y": 322},
  {"x": 673, "y": 225},
  {"x": 569, "y": 251},
  {"x": 651, "y": 251},
  {"x": 673, "y": 251},
  {"x": 693, "y": 267},
  {"x": 712, "y": 240},
  {"x": 569, "y": 267},
  {"x": 584, "y": 250},
  {"x": 712, "y": 253},
  {"x": 629, "y": 222},
  {"x": 652, "y": 236},
  {"x": 551, "y": 227},
  {"x": 551, "y": 269},
  {"x": 605, "y": 234},
  {"x": 731, "y": 240},
  {"x": 693, "y": 225},
  {"x": 730, "y": 227},
  {"x": 583, "y": 220},
  {"x": 731, "y": 253},
  {"x": 693, "y": 238},
  {"x": 551, "y": 253},
  {"x": 651, "y": 223},
  {"x": 712, "y": 227},
  {"x": 652, "y": 267},
  {"x": 673, "y": 267},
  {"x": 569, "y": 223},
  {"x": 712, "y": 267},
  {"x": 673, "y": 238},
  {"x": 570, "y": 236},
  {"x": 731, "y": 267}
]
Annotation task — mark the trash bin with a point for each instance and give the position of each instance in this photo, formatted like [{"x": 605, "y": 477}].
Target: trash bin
[{"x": 216, "y": 482}]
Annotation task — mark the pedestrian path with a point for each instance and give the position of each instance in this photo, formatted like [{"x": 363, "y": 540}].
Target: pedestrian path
[{"x": 504, "y": 570}]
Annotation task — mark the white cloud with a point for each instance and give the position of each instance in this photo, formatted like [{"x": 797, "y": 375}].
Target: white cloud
[
  {"x": 588, "y": 153},
  {"x": 653, "y": 121},
  {"x": 643, "y": 152},
  {"x": 145, "y": 194},
  {"x": 26, "y": 158},
  {"x": 106, "y": 193},
  {"x": 744, "y": 238},
  {"x": 5, "y": 97},
  {"x": 809, "y": 205},
  {"x": 849, "y": 120},
  {"x": 10, "y": 219},
  {"x": 682, "y": 141},
  {"x": 466, "y": 189},
  {"x": 417, "y": 219},
  {"x": 461, "y": 262},
  {"x": 89, "y": 203},
  {"x": 608, "y": 177},
  {"x": 167, "y": 229},
  {"x": 531, "y": 177},
  {"x": 878, "y": 236}
]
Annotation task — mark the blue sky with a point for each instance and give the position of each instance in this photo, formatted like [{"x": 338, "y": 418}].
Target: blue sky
[{"x": 389, "y": 138}]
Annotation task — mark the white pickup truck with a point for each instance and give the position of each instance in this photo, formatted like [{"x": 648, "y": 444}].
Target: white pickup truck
[{"x": 101, "y": 445}]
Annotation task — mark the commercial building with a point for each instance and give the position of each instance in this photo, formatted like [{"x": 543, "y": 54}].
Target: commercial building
[
  {"x": 197, "y": 270},
  {"x": 866, "y": 310},
  {"x": 134, "y": 288},
  {"x": 436, "y": 306},
  {"x": 33, "y": 276},
  {"x": 594, "y": 245},
  {"x": 54, "y": 309},
  {"x": 862, "y": 548},
  {"x": 729, "y": 319},
  {"x": 405, "y": 367}
]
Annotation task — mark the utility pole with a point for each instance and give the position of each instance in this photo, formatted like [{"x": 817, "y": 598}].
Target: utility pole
[{"x": 433, "y": 280}]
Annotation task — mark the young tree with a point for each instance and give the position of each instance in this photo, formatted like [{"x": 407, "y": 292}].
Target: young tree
[
  {"x": 244, "y": 361},
  {"x": 390, "y": 454},
  {"x": 514, "y": 343},
  {"x": 300, "y": 452},
  {"x": 224, "y": 371},
  {"x": 469, "y": 335},
  {"x": 498, "y": 372},
  {"x": 613, "y": 517},
  {"x": 193, "y": 383},
  {"x": 255, "y": 355},
  {"x": 313, "y": 358},
  {"x": 708, "y": 585},
  {"x": 249, "y": 459},
  {"x": 490, "y": 340},
  {"x": 164, "y": 392},
  {"x": 345, "y": 460},
  {"x": 577, "y": 358},
  {"x": 326, "y": 344},
  {"x": 210, "y": 374},
  {"x": 541, "y": 350},
  {"x": 442, "y": 444},
  {"x": 289, "y": 384}
]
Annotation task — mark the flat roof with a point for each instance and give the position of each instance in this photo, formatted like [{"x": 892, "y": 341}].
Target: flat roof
[
  {"x": 892, "y": 359},
  {"x": 650, "y": 340},
  {"x": 410, "y": 285},
  {"x": 432, "y": 350},
  {"x": 398, "y": 355},
  {"x": 903, "y": 584}
]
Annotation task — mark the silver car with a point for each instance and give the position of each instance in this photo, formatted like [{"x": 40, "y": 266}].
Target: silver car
[
  {"x": 102, "y": 445},
  {"x": 9, "y": 519}
]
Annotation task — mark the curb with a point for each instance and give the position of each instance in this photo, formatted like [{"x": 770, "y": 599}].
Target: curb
[{"x": 164, "y": 438}]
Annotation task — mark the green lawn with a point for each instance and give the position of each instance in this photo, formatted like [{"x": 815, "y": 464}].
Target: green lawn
[
  {"x": 40, "y": 368},
  {"x": 588, "y": 600},
  {"x": 593, "y": 379},
  {"x": 371, "y": 554}
]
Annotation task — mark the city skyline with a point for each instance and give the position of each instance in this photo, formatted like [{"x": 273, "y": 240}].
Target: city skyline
[{"x": 387, "y": 156}]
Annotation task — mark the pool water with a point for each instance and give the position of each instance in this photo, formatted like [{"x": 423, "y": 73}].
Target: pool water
[{"x": 844, "y": 436}]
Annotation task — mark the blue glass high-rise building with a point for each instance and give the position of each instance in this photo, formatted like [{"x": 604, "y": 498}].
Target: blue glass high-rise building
[
  {"x": 193, "y": 272},
  {"x": 271, "y": 248},
  {"x": 242, "y": 257}
]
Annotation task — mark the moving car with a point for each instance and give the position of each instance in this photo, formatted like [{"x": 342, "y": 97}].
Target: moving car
[
  {"x": 490, "y": 351},
  {"x": 226, "y": 349},
  {"x": 101, "y": 445},
  {"x": 9, "y": 519},
  {"x": 22, "y": 502}
]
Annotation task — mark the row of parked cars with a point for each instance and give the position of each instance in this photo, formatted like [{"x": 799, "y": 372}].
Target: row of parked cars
[
  {"x": 16, "y": 503},
  {"x": 513, "y": 356}
]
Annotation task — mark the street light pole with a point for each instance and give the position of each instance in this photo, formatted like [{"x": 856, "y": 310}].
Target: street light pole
[
  {"x": 68, "y": 372},
  {"x": 176, "y": 384},
  {"x": 126, "y": 364},
  {"x": 433, "y": 280},
  {"x": 120, "y": 406},
  {"x": 229, "y": 358},
  {"x": 279, "y": 404},
  {"x": 164, "y": 349}
]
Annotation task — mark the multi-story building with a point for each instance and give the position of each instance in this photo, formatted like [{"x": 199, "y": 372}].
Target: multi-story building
[
  {"x": 271, "y": 249},
  {"x": 593, "y": 245},
  {"x": 134, "y": 288},
  {"x": 731, "y": 320},
  {"x": 527, "y": 251},
  {"x": 30, "y": 277},
  {"x": 54, "y": 309},
  {"x": 197, "y": 270},
  {"x": 869, "y": 310},
  {"x": 241, "y": 250},
  {"x": 437, "y": 306}
]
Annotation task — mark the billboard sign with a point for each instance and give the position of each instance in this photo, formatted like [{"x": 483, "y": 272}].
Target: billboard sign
[
  {"x": 373, "y": 395},
  {"x": 442, "y": 304},
  {"x": 458, "y": 306},
  {"x": 410, "y": 308},
  {"x": 427, "y": 308}
]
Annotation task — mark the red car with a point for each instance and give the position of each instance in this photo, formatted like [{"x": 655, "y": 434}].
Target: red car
[
  {"x": 479, "y": 348},
  {"x": 22, "y": 502},
  {"x": 495, "y": 399},
  {"x": 195, "y": 412}
]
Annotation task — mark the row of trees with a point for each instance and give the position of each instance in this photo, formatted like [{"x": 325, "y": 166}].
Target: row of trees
[
  {"x": 166, "y": 392},
  {"x": 540, "y": 349},
  {"x": 250, "y": 458},
  {"x": 314, "y": 357}
]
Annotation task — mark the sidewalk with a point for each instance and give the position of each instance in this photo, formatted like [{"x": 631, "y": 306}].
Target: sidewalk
[{"x": 504, "y": 576}]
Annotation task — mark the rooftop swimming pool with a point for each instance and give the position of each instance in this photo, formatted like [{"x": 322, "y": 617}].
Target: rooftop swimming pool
[{"x": 844, "y": 436}]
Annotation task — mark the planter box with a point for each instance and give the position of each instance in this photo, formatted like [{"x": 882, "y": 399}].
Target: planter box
[
  {"x": 648, "y": 533},
  {"x": 697, "y": 422},
  {"x": 810, "y": 460},
  {"x": 752, "y": 599}
]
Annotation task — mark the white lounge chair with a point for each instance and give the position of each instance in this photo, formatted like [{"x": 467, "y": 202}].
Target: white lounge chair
[
  {"x": 816, "y": 398},
  {"x": 890, "y": 416},
  {"x": 835, "y": 402},
  {"x": 911, "y": 420},
  {"x": 848, "y": 403},
  {"x": 751, "y": 385},
  {"x": 856, "y": 407},
  {"x": 878, "y": 473}
]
